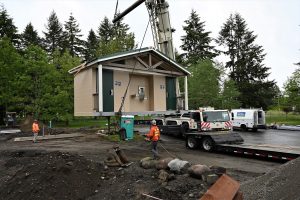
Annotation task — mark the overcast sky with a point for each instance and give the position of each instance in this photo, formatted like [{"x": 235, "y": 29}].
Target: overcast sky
[{"x": 276, "y": 22}]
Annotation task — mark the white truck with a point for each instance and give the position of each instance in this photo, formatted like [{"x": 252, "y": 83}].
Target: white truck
[
  {"x": 202, "y": 127},
  {"x": 245, "y": 119},
  {"x": 204, "y": 119}
]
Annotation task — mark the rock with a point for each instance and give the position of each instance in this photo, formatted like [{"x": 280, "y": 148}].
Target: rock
[
  {"x": 191, "y": 195},
  {"x": 163, "y": 176},
  {"x": 218, "y": 170},
  {"x": 163, "y": 163},
  {"x": 177, "y": 165},
  {"x": 198, "y": 170},
  {"x": 69, "y": 163},
  {"x": 148, "y": 163},
  {"x": 211, "y": 178}
]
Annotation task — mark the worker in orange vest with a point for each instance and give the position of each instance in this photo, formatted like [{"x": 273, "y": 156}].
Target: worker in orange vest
[
  {"x": 153, "y": 136},
  {"x": 35, "y": 130}
]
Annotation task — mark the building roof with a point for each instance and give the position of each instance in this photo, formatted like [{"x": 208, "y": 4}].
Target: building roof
[{"x": 129, "y": 53}]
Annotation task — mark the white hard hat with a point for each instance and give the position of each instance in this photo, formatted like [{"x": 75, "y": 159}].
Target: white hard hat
[{"x": 153, "y": 122}]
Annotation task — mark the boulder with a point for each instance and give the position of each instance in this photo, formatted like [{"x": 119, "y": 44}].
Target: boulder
[
  {"x": 148, "y": 163},
  {"x": 218, "y": 170},
  {"x": 178, "y": 166},
  {"x": 198, "y": 170},
  {"x": 163, "y": 176},
  {"x": 163, "y": 163}
]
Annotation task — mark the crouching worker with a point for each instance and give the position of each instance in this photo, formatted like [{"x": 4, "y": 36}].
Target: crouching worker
[
  {"x": 153, "y": 136},
  {"x": 116, "y": 157}
]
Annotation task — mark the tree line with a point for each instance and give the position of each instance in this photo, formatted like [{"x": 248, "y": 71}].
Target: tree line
[{"x": 34, "y": 77}]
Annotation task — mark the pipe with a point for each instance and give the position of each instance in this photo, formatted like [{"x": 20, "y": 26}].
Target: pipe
[{"x": 128, "y": 10}]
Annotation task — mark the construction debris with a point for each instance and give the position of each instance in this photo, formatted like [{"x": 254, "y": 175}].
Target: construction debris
[{"x": 225, "y": 188}]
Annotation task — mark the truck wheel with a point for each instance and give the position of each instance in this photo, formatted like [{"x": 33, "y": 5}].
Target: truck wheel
[
  {"x": 191, "y": 142},
  {"x": 207, "y": 144},
  {"x": 184, "y": 129},
  {"x": 244, "y": 127}
]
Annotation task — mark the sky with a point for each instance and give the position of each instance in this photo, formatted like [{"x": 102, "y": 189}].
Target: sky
[{"x": 275, "y": 22}]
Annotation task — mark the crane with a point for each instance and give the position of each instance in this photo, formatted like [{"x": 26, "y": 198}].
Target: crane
[{"x": 160, "y": 24}]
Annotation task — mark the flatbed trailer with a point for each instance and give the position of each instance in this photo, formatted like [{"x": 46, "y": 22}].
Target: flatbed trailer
[
  {"x": 231, "y": 143},
  {"x": 267, "y": 151}
]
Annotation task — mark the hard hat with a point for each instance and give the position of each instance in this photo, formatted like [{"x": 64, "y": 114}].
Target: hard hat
[
  {"x": 35, "y": 120},
  {"x": 153, "y": 122}
]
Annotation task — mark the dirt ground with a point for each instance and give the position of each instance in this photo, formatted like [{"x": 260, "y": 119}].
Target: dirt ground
[{"x": 74, "y": 169}]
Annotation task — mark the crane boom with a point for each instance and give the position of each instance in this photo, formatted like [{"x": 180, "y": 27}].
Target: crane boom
[{"x": 160, "y": 24}]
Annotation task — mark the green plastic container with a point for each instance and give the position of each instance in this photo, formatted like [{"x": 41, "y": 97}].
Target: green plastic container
[{"x": 127, "y": 122}]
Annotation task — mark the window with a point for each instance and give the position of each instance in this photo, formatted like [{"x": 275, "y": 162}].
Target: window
[
  {"x": 241, "y": 114},
  {"x": 215, "y": 116}
]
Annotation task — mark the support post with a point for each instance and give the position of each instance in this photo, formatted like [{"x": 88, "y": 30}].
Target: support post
[
  {"x": 186, "y": 100},
  {"x": 100, "y": 88}
]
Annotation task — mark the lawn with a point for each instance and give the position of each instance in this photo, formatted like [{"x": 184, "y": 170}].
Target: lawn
[{"x": 282, "y": 118}]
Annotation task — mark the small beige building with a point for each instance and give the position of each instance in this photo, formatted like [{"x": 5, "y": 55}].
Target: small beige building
[{"x": 136, "y": 82}]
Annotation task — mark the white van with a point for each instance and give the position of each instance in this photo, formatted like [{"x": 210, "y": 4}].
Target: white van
[{"x": 248, "y": 119}]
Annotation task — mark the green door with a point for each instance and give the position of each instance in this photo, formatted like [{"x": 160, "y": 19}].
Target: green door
[
  {"x": 108, "y": 90},
  {"x": 171, "y": 93}
]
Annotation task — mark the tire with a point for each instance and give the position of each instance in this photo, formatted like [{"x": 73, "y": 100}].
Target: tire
[
  {"x": 191, "y": 142},
  {"x": 184, "y": 129},
  {"x": 244, "y": 127},
  {"x": 207, "y": 144}
]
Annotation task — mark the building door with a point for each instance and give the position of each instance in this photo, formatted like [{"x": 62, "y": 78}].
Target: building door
[
  {"x": 108, "y": 90},
  {"x": 171, "y": 93}
]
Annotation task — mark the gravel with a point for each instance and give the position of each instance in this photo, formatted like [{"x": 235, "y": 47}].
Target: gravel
[{"x": 281, "y": 183}]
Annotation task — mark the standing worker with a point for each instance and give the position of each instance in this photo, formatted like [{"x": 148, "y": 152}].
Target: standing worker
[
  {"x": 154, "y": 135},
  {"x": 35, "y": 130}
]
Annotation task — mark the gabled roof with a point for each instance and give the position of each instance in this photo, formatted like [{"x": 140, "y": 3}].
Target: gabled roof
[{"x": 129, "y": 53}]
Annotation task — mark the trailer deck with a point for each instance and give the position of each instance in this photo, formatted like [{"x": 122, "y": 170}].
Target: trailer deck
[{"x": 271, "y": 144}]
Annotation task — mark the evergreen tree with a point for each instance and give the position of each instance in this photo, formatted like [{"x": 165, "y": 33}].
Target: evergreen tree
[
  {"x": 121, "y": 36},
  {"x": 196, "y": 42},
  {"x": 229, "y": 96},
  {"x": 245, "y": 63},
  {"x": 30, "y": 37},
  {"x": 54, "y": 37},
  {"x": 105, "y": 30},
  {"x": 91, "y": 46},
  {"x": 204, "y": 85},
  {"x": 7, "y": 27},
  {"x": 114, "y": 38},
  {"x": 73, "y": 41}
]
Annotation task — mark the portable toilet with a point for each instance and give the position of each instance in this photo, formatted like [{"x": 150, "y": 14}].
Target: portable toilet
[{"x": 127, "y": 122}]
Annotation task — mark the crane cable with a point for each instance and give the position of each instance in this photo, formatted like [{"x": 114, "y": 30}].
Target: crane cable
[{"x": 116, "y": 10}]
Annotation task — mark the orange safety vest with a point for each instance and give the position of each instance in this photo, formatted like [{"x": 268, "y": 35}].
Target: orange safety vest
[
  {"x": 154, "y": 133},
  {"x": 35, "y": 127}
]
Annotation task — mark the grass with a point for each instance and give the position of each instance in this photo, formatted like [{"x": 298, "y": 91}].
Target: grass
[{"x": 280, "y": 117}]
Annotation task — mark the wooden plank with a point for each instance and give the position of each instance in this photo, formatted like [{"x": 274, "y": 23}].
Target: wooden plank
[{"x": 49, "y": 137}]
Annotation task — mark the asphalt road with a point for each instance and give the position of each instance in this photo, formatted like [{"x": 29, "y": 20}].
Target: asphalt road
[{"x": 271, "y": 136}]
